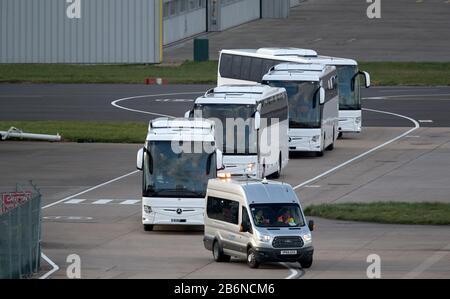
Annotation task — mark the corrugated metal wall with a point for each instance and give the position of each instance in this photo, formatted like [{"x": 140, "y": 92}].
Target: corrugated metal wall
[
  {"x": 181, "y": 22},
  {"x": 275, "y": 9},
  {"x": 237, "y": 12},
  {"x": 109, "y": 31}
]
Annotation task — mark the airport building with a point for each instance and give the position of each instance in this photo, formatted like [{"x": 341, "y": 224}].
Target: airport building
[{"x": 117, "y": 31}]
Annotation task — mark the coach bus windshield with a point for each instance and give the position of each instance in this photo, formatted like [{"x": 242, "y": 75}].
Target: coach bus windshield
[
  {"x": 348, "y": 99},
  {"x": 304, "y": 108},
  {"x": 238, "y": 136},
  {"x": 177, "y": 173}
]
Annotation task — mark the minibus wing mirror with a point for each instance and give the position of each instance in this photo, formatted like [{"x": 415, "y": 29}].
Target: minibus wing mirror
[
  {"x": 140, "y": 159},
  {"x": 311, "y": 225}
]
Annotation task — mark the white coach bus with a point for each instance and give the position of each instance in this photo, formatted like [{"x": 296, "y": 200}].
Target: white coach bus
[
  {"x": 313, "y": 104},
  {"x": 178, "y": 160},
  {"x": 251, "y": 127},
  {"x": 249, "y": 66}
]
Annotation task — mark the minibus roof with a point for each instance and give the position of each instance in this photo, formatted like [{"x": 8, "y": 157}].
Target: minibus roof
[{"x": 256, "y": 191}]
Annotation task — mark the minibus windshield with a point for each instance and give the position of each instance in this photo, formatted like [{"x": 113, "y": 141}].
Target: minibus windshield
[
  {"x": 170, "y": 174},
  {"x": 348, "y": 99},
  {"x": 277, "y": 215}
]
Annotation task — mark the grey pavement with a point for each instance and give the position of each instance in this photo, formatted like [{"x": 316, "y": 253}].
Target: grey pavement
[{"x": 408, "y": 30}]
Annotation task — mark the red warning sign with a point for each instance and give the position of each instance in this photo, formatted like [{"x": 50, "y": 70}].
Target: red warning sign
[{"x": 13, "y": 199}]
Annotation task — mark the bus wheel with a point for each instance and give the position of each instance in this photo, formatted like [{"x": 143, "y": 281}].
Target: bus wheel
[
  {"x": 341, "y": 135},
  {"x": 218, "y": 254},
  {"x": 148, "y": 227},
  {"x": 252, "y": 262}
]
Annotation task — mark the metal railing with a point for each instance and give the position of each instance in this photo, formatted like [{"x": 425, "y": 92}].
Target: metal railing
[{"x": 20, "y": 232}]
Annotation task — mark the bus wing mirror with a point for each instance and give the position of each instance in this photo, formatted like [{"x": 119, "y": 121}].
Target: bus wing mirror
[
  {"x": 187, "y": 114},
  {"x": 322, "y": 96},
  {"x": 257, "y": 120},
  {"x": 367, "y": 79},
  {"x": 219, "y": 162},
  {"x": 140, "y": 159}
]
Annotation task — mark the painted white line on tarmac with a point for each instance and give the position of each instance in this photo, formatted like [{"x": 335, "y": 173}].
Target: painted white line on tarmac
[
  {"x": 416, "y": 126},
  {"x": 294, "y": 272},
  {"x": 428, "y": 263},
  {"x": 130, "y": 202},
  {"x": 74, "y": 201},
  {"x": 116, "y": 102},
  {"x": 102, "y": 202},
  {"x": 407, "y": 97},
  {"x": 55, "y": 267}
]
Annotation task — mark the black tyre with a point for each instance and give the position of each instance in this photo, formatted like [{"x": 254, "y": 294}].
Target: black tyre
[
  {"x": 341, "y": 135},
  {"x": 306, "y": 263},
  {"x": 218, "y": 254},
  {"x": 319, "y": 154},
  {"x": 252, "y": 261},
  {"x": 148, "y": 227}
]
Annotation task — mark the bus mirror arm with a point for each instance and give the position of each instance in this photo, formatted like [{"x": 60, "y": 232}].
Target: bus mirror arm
[{"x": 367, "y": 78}]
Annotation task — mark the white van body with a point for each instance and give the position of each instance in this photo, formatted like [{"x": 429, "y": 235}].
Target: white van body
[
  {"x": 256, "y": 113},
  {"x": 313, "y": 121},
  {"x": 178, "y": 160},
  {"x": 259, "y": 221},
  {"x": 350, "y": 112}
]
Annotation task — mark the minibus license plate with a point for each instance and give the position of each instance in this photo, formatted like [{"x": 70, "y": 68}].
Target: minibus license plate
[{"x": 288, "y": 252}]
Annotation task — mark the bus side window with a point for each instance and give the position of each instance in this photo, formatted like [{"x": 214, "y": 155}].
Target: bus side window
[
  {"x": 255, "y": 69},
  {"x": 225, "y": 65},
  {"x": 236, "y": 67},
  {"x": 245, "y": 68}
]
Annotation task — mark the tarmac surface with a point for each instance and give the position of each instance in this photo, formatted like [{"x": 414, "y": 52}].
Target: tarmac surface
[
  {"x": 92, "y": 192},
  {"x": 408, "y": 30}
]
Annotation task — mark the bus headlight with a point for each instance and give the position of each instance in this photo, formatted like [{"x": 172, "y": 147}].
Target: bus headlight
[
  {"x": 264, "y": 238},
  {"x": 250, "y": 168},
  {"x": 315, "y": 138},
  {"x": 148, "y": 209}
]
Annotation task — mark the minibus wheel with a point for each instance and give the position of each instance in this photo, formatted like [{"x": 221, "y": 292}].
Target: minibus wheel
[
  {"x": 251, "y": 259},
  {"x": 218, "y": 254},
  {"x": 306, "y": 263}
]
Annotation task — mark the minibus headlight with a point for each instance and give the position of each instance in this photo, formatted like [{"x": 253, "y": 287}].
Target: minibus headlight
[
  {"x": 264, "y": 238},
  {"x": 307, "y": 238},
  {"x": 315, "y": 138},
  {"x": 148, "y": 209}
]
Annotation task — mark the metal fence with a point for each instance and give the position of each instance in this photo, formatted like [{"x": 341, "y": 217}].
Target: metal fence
[{"x": 20, "y": 232}]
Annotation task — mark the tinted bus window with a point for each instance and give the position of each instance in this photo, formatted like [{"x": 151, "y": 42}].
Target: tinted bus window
[
  {"x": 236, "y": 67},
  {"x": 245, "y": 68},
  {"x": 256, "y": 69},
  {"x": 225, "y": 65}
]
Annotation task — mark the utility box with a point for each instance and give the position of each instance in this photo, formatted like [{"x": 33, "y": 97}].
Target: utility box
[
  {"x": 275, "y": 9},
  {"x": 201, "y": 49}
]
